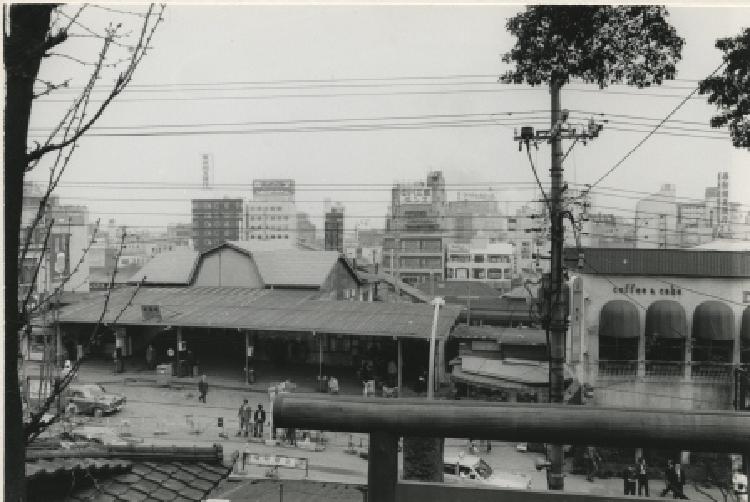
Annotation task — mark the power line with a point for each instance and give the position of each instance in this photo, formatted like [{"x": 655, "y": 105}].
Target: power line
[
  {"x": 653, "y": 131},
  {"x": 377, "y": 94}
]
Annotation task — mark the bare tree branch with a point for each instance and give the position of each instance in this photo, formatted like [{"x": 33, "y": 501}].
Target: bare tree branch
[
  {"x": 71, "y": 274},
  {"x": 122, "y": 81},
  {"x": 36, "y": 425},
  {"x": 43, "y": 425},
  {"x": 24, "y": 306}
]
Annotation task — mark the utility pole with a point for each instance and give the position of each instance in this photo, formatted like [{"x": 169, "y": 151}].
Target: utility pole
[{"x": 556, "y": 319}]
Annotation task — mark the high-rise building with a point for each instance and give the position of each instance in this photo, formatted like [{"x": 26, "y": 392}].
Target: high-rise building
[
  {"x": 415, "y": 230},
  {"x": 305, "y": 229},
  {"x": 216, "y": 221},
  {"x": 722, "y": 185},
  {"x": 334, "y": 229},
  {"x": 656, "y": 219},
  {"x": 272, "y": 214}
]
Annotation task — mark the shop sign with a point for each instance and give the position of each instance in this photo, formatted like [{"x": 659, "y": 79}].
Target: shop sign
[{"x": 639, "y": 289}]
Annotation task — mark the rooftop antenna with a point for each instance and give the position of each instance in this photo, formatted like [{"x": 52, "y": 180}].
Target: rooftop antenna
[{"x": 207, "y": 163}]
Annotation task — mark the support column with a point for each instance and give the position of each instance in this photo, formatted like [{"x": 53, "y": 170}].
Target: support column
[
  {"x": 247, "y": 356},
  {"x": 737, "y": 342},
  {"x": 400, "y": 367},
  {"x": 382, "y": 467},
  {"x": 642, "y": 345}
]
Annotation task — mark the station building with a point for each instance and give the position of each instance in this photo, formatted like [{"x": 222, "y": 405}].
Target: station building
[
  {"x": 659, "y": 328},
  {"x": 235, "y": 307}
]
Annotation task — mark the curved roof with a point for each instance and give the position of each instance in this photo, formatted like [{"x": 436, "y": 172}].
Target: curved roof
[
  {"x": 170, "y": 268},
  {"x": 666, "y": 319},
  {"x": 713, "y": 320},
  {"x": 619, "y": 319}
]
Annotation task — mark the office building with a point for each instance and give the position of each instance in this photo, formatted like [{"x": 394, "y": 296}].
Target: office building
[
  {"x": 216, "y": 221},
  {"x": 334, "y": 229}
]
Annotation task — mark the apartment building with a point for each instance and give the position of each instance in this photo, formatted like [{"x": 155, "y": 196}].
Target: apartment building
[{"x": 481, "y": 261}]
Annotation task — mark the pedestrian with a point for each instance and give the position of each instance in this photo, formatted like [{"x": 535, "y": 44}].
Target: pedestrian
[
  {"x": 150, "y": 357},
  {"x": 592, "y": 459},
  {"x": 642, "y": 475},
  {"x": 241, "y": 416},
  {"x": 202, "y": 388},
  {"x": 672, "y": 475},
  {"x": 260, "y": 419},
  {"x": 678, "y": 480},
  {"x": 248, "y": 416},
  {"x": 629, "y": 480}
]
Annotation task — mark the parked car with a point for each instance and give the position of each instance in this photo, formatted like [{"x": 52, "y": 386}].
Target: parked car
[
  {"x": 93, "y": 399},
  {"x": 463, "y": 468}
]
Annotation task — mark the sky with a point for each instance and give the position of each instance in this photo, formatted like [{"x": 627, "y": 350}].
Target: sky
[{"x": 269, "y": 90}]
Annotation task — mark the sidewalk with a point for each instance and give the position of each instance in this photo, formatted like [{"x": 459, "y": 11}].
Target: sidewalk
[{"x": 221, "y": 377}]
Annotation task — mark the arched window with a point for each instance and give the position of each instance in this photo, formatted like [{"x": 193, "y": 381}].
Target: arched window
[
  {"x": 619, "y": 333},
  {"x": 713, "y": 338},
  {"x": 666, "y": 331}
]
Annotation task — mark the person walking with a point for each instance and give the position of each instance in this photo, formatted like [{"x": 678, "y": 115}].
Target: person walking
[
  {"x": 629, "y": 480},
  {"x": 202, "y": 388},
  {"x": 592, "y": 462},
  {"x": 642, "y": 476},
  {"x": 241, "y": 415},
  {"x": 260, "y": 419},
  {"x": 678, "y": 480}
]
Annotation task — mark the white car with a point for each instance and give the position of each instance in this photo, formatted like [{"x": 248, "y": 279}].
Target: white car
[{"x": 463, "y": 468}]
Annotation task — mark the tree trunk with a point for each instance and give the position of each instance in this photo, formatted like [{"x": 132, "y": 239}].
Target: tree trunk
[
  {"x": 423, "y": 458},
  {"x": 24, "y": 46}
]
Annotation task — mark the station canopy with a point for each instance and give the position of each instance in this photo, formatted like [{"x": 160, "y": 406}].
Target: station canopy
[
  {"x": 619, "y": 319},
  {"x": 713, "y": 320},
  {"x": 666, "y": 319},
  {"x": 260, "y": 310}
]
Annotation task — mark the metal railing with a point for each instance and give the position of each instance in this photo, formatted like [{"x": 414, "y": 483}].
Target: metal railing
[{"x": 388, "y": 419}]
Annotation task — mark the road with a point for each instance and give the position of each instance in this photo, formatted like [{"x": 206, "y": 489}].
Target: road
[{"x": 172, "y": 416}]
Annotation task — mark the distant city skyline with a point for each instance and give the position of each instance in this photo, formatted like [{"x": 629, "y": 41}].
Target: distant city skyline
[{"x": 271, "y": 92}]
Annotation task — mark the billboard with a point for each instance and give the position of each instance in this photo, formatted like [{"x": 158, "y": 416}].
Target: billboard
[{"x": 415, "y": 196}]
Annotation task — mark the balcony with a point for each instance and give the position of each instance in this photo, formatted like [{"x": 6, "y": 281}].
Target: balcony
[{"x": 617, "y": 369}]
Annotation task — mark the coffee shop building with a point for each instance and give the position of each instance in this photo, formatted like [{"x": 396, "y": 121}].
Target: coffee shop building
[{"x": 658, "y": 328}]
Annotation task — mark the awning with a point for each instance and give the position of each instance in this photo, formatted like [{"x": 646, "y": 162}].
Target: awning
[
  {"x": 619, "y": 319},
  {"x": 713, "y": 320},
  {"x": 482, "y": 381},
  {"x": 666, "y": 319}
]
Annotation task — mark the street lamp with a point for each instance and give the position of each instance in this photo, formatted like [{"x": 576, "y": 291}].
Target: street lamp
[{"x": 437, "y": 302}]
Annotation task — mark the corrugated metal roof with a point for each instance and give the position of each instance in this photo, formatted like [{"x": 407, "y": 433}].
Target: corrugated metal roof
[
  {"x": 294, "y": 267},
  {"x": 170, "y": 267},
  {"x": 263, "y": 309},
  {"x": 461, "y": 288},
  {"x": 514, "y": 336},
  {"x": 662, "y": 262}
]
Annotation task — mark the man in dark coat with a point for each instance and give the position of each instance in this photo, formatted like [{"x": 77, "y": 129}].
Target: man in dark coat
[
  {"x": 260, "y": 419},
  {"x": 678, "y": 480},
  {"x": 628, "y": 478},
  {"x": 202, "y": 388}
]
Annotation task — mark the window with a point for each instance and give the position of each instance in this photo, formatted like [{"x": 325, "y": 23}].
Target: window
[
  {"x": 479, "y": 273},
  {"x": 494, "y": 273},
  {"x": 478, "y": 258}
]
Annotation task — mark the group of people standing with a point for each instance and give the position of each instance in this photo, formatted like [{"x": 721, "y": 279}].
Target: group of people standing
[
  {"x": 635, "y": 477},
  {"x": 251, "y": 421},
  {"x": 637, "y": 474}
]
